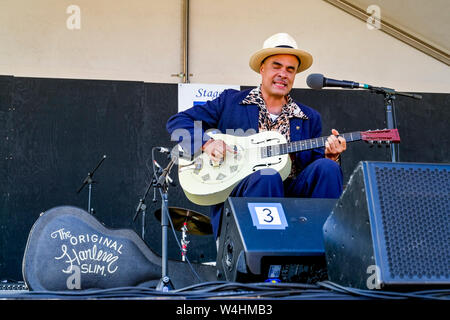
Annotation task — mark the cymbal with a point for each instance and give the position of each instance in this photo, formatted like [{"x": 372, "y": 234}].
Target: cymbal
[{"x": 196, "y": 223}]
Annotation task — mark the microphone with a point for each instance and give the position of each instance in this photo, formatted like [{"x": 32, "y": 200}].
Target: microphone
[
  {"x": 160, "y": 170},
  {"x": 318, "y": 81},
  {"x": 162, "y": 150}
]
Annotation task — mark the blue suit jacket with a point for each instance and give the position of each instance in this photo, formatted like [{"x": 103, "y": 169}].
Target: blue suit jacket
[{"x": 226, "y": 112}]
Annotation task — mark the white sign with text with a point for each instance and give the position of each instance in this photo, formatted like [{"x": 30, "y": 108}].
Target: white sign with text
[{"x": 191, "y": 94}]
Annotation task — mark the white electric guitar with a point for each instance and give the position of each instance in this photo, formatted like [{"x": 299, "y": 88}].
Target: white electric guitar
[{"x": 206, "y": 182}]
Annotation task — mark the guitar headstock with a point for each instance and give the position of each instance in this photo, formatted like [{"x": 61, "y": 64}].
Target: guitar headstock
[{"x": 381, "y": 136}]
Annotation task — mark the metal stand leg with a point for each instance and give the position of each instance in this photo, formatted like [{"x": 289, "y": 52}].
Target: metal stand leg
[
  {"x": 391, "y": 123},
  {"x": 89, "y": 197},
  {"x": 164, "y": 284},
  {"x": 143, "y": 224}
]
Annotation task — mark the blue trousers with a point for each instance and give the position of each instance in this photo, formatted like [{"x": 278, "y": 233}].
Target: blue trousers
[{"x": 321, "y": 179}]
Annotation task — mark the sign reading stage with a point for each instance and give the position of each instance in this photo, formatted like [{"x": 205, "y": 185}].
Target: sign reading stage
[{"x": 191, "y": 94}]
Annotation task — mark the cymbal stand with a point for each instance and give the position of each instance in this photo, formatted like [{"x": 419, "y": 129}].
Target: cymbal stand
[{"x": 184, "y": 242}]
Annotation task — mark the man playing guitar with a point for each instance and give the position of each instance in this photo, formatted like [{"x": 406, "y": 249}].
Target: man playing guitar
[{"x": 314, "y": 173}]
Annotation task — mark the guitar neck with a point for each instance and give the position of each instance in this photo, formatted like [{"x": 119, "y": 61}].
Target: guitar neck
[{"x": 302, "y": 145}]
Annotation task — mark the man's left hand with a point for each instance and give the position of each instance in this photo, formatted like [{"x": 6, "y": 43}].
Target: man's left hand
[{"x": 334, "y": 145}]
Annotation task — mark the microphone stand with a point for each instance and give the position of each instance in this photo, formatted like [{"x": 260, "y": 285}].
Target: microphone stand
[
  {"x": 142, "y": 206},
  {"x": 88, "y": 180},
  {"x": 165, "y": 283},
  {"x": 391, "y": 121},
  {"x": 160, "y": 183}
]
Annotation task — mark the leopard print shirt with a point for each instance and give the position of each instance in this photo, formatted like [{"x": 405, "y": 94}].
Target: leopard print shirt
[{"x": 281, "y": 123}]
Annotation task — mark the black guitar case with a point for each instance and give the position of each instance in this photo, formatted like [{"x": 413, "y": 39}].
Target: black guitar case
[{"x": 69, "y": 249}]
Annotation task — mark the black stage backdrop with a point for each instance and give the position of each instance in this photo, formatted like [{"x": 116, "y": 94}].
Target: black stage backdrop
[{"x": 55, "y": 131}]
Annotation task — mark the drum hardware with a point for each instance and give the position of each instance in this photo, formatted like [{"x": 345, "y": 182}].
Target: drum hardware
[
  {"x": 188, "y": 222},
  {"x": 184, "y": 242},
  {"x": 195, "y": 222}
]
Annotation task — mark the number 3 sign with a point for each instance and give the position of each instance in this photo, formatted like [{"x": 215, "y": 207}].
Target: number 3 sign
[{"x": 268, "y": 215}]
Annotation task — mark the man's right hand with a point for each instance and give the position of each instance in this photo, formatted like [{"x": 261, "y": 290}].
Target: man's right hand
[{"x": 216, "y": 149}]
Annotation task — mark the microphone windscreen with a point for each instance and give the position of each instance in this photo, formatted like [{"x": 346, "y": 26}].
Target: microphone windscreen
[{"x": 315, "y": 81}]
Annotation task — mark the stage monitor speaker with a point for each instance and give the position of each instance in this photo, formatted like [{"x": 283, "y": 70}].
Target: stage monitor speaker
[
  {"x": 390, "y": 228},
  {"x": 273, "y": 239}
]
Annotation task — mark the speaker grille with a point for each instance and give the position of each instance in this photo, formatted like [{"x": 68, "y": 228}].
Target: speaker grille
[{"x": 414, "y": 205}]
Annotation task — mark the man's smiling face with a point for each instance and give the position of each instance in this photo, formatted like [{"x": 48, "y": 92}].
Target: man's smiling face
[{"x": 278, "y": 74}]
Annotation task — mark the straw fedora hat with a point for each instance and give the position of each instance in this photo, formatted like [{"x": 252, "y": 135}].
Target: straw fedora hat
[{"x": 280, "y": 43}]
